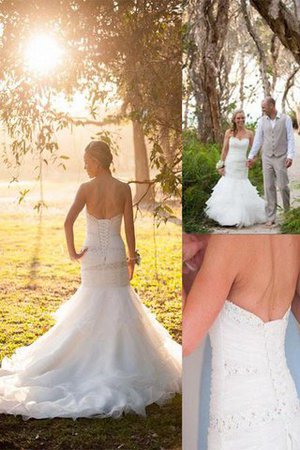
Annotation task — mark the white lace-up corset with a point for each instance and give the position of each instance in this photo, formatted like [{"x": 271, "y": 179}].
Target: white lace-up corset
[
  {"x": 104, "y": 263},
  {"x": 251, "y": 383}
]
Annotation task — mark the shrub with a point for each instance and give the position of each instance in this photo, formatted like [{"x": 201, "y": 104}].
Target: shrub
[
  {"x": 291, "y": 222},
  {"x": 199, "y": 177}
]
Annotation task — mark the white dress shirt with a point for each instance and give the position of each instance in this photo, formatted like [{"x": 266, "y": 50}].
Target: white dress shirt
[{"x": 258, "y": 139}]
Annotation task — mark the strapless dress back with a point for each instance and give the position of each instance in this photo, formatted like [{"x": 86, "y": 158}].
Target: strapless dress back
[
  {"x": 254, "y": 403},
  {"x": 106, "y": 354},
  {"x": 104, "y": 263}
]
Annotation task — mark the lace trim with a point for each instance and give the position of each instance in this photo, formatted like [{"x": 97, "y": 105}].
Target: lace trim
[
  {"x": 243, "y": 316},
  {"x": 107, "y": 266},
  {"x": 251, "y": 418}
]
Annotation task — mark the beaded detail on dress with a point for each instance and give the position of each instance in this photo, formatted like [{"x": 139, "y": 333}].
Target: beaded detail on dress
[
  {"x": 252, "y": 418},
  {"x": 245, "y": 317},
  {"x": 251, "y": 383}
]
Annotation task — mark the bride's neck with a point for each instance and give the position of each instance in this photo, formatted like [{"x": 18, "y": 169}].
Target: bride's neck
[
  {"x": 240, "y": 130},
  {"x": 103, "y": 174}
]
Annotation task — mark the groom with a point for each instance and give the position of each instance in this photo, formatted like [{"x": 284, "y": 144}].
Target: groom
[{"x": 274, "y": 134}]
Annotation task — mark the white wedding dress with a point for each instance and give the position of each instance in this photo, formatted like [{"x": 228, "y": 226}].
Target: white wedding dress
[
  {"x": 105, "y": 355},
  {"x": 234, "y": 200},
  {"x": 254, "y": 403}
]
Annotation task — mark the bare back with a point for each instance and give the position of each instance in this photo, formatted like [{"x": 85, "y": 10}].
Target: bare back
[
  {"x": 105, "y": 197},
  {"x": 268, "y": 270},
  {"x": 259, "y": 273}
]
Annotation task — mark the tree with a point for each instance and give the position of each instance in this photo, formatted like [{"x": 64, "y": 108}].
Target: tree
[
  {"x": 240, "y": 67},
  {"x": 283, "y": 22},
  {"x": 260, "y": 51},
  {"x": 114, "y": 51},
  {"x": 208, "y": 22}
]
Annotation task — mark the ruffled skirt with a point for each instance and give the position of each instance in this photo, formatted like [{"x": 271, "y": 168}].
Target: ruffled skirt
[
  {"x": 105, "y": 355},
  {"x": 235, "y": 202}
]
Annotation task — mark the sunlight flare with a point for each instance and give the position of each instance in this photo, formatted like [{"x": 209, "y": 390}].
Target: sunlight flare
[{"x": 42, "y": 54}]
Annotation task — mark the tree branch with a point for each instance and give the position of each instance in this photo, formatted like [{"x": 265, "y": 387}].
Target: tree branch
[
  {"x": 286, "y": 26},
  {"x": 289, "y": 83},
  {"x": 77, "y": 121},
  {"x": 261, "y": 54}
]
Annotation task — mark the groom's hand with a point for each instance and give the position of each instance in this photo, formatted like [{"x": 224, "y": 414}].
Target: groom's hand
[
  {"x": 250, "y": 163},
  {"x": 288, "y": 163}
]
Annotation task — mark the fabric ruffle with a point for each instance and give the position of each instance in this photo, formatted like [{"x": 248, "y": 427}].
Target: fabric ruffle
[
  {"x": 235, "y": 202},
  {"x": 106, "y": 355}
]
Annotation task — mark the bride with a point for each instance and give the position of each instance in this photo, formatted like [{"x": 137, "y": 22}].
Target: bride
[
  {"x": 235, "y": 201},
  {"x": 254, "y": 402},
  {"x": 106, "y": 354}
]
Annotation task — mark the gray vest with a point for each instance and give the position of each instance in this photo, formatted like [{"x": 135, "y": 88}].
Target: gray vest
[{"x": 274, "y": 139}]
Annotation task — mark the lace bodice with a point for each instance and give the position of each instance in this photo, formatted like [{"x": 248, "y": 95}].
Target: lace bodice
[
  {"x": 104, "y": 263},
  {"x": 251, "y": 383},
  {"x": 235, "y": 163}
]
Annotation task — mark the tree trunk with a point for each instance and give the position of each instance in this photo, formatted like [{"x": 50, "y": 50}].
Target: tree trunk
[
  {"x": 208, "y": 29},
  {"x": 143, "y": 193},
  {"x": 242, "y": 79},
  {"x": 261, "y": 53},
  {"x": 166, "y": 144},
  {"x": 286, "y": 26},
  {"x": 289, "y": 83},
  {"x": 275, "y": 51},
  {"x": 187, "y": 106}
]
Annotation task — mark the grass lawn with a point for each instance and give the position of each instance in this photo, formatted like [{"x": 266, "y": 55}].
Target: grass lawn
[{"x": 36, "y": 276}]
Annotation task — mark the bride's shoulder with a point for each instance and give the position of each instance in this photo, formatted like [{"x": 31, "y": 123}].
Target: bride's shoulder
[
  {"x": 249, "y": 132},
  {"x": 228, "y": 133},
  {"x": 84, "y": 187},
  {"x": 120, "y": 184},
  {"x": 230, "y": 247},
  {"x": 223, "y": 254}
]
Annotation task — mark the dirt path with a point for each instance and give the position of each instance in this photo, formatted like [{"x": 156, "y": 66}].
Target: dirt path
[{"x": 294, "y": 176}]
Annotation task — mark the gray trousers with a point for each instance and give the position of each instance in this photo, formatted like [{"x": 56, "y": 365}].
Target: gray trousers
[{"x": 275, "y": 174}]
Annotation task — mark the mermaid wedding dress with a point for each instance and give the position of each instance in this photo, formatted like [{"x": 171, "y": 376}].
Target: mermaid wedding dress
[
  {"x": 105, "y": 355},
  {"x": 234, "y": 200},
  {"x": 254, "y": 403}
]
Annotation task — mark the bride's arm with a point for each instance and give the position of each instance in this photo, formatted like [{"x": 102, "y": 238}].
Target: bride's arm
[
  {"x": 225, "y": 145},
  {"x": 251, "y": 138},
  {"x": 209, "y": 291},
  {"x": 129, "y": 230},
  {"x": 72, "y": 215}
]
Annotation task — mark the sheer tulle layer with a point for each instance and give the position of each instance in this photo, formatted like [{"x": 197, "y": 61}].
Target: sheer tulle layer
[
  {"x": 235, "y": 202},
  {"x": 105, "y": 355}
]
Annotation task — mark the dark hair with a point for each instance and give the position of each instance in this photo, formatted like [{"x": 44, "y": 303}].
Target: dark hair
[{"x": 100, "y": 151}]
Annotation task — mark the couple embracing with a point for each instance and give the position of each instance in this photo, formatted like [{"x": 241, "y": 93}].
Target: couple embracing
[{"x": 235, "y": 201}]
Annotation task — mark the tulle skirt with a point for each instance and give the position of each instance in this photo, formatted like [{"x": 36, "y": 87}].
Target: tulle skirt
[
  {"x": 235, "y": 202},
  {"x": 105, "y": 355}
]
